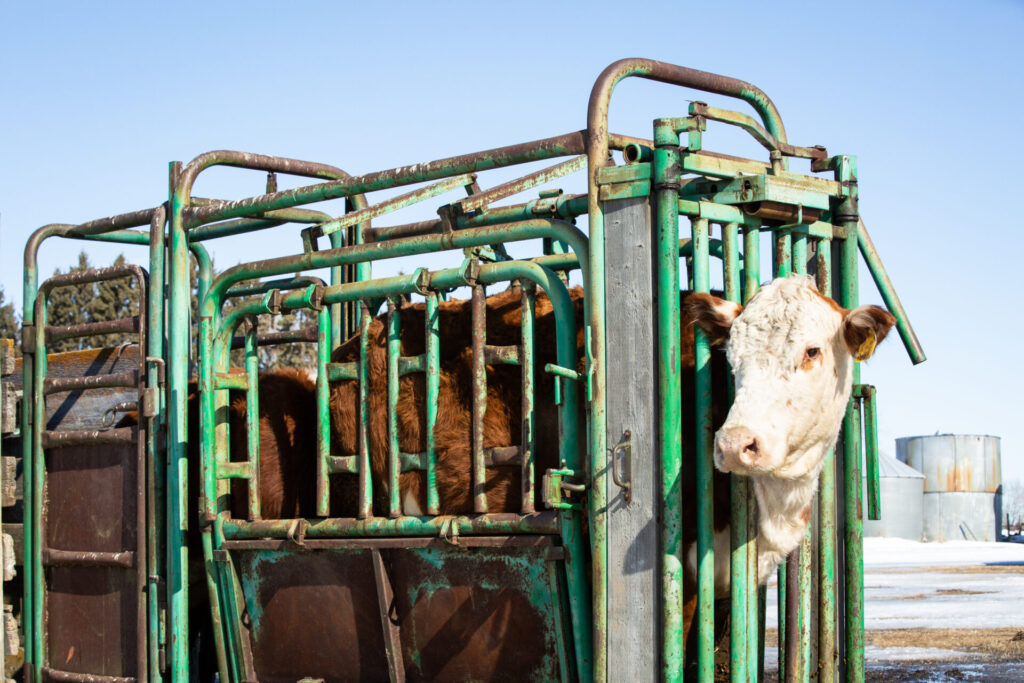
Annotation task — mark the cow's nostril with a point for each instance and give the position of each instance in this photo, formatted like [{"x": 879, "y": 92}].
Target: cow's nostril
[{"x": 752, "y": 449}]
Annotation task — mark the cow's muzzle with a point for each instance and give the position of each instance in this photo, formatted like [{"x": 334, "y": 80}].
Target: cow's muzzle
[{"x": 738, "y": 449}]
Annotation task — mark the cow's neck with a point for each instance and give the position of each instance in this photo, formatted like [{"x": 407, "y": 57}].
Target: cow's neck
[{"x": 784, "y": 506}]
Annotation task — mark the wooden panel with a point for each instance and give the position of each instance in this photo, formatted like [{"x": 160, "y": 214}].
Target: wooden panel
[{"x": 633, "y": 578}]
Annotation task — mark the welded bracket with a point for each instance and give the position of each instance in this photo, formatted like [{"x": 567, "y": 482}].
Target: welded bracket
[{"x": 555, "y": 487}]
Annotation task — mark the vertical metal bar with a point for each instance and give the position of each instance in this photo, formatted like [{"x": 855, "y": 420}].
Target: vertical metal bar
[
  {"x": 394, "y": 352},
  {"x": 793, "y": 666},
  {"x": 755, "y": 624},
  {"x": 784, "y": 664},
  {"x": 871, "y": 448},
  {"x": 802, "y": 598},
  {"x": 37, "y": 464},
  {"x": 804, "y": 606},
  {"x": 846, "y": 217},
  {"x": 665, "y": 171},
  {"x": 479, "y": 397},
  {"x": 799, "y": 264},
  {"x": 827, "y": 654},
  {"x": 738, "y": 492},
  {"x": 177, "y": 451},
  {"x": 783, "y": 254},
  {"x": 324, "y": 342},
  {"x": 209, "y": 401},
  {"x": 704, "y": 467},
  {"x": 365, "y": 472},
  {"x": 154, "y": 473},
  {"x": 28, "y": 445},
  {"x": 433, "y": 383},
  {"x": 252, "y": 416},
  {"x": 526, "y": 366}
]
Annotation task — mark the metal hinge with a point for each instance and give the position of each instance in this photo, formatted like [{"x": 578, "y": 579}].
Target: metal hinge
[
  {"x": 555, "y": 488},
  {"x": 28, "y": 339}
]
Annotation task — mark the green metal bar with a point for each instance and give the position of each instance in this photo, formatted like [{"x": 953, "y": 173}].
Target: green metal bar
[
  {"x": 394, "y": 352},
  {"x": 433, "y": 388},
  {"x": 546, "y": 522},
  {"x": 799, "y": 252},
  {"x": 324, "y": 345},
  {"x": 867, "y": 394},
  {"x": 154, "y": 350},
  {"x": 755, "y": 628},
  {"x": 395, "y": 203},
  {"x": 781, "y": 605},
  {"x": 365, "y": 471},
  {"x": 252, "y": 417},
  {"x": 738, "y": 492},
  {"x": 846, "y": 216},
  {"x": 804, "y": 605},
  {"x": 827, "y": 654},
  {"x": 177, "y": 452},
  {"x": 666, "y": 194},
  {"x": 38, "y": 466},
  {"x": 479, "y": 402},
  {"x": 528, "y": 311},
  {"x": 888, "y": 292},
  {"x": 803, "y": 597},
  {"x": 783, "y": 254},
  {"x": 525, "y": 230},
  {"x": 704, "y": 468}
]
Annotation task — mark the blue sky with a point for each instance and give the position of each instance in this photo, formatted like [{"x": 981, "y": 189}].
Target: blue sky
[{"x": 97, "y": 98}]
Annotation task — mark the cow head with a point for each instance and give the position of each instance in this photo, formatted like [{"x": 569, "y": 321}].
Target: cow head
[{"x": 792, "y": 352}]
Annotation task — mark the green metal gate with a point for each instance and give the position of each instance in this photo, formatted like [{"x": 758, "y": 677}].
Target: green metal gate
[{"x": 603, "y": 581}]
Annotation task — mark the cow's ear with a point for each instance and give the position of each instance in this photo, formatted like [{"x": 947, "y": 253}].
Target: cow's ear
[
  {"x": 864, "y": 327},
  {"x": 714, "y": 315}
]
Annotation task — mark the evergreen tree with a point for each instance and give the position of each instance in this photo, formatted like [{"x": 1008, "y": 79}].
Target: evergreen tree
[
  {"x": 10, "y": 324},
  {"x": 91, "y": 302}
]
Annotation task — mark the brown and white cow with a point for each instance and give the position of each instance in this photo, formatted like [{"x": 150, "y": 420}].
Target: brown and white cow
[{"x": 792, "y": 352}]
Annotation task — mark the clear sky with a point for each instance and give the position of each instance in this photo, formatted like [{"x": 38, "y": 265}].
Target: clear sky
[{"x": 98, "y": 97}]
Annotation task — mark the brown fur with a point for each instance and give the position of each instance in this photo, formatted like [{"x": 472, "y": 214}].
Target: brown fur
[{"x": 453, "y": 430}]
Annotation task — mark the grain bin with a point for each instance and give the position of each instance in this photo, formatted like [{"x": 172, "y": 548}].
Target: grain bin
[
  {"x": 963, "y": 484},
  {"x": 901, "y": 494}
]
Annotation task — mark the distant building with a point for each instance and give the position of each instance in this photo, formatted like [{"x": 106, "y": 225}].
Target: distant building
[
  {"x": 962, "y": 486},
  {"x": 901, "y": 498}
]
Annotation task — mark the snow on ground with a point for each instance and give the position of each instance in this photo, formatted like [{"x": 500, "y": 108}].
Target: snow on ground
[
  {"x": 898, "y": 594},
  {"x": 882, "y": 552}
]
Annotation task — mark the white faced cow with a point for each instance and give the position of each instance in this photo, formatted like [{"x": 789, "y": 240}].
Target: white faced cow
[{"x": 792, "y": 352}]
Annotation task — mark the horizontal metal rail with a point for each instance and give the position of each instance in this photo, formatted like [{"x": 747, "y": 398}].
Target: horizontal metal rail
[
  {"x": 53, "y": 557},
  {"x": 545, "y": 522},
  {"x": 89, "y": 437},
  {"x": 126, "y": 325},
  {"x": 55, "y": 385},
  {"x": 49, "y": 674}
]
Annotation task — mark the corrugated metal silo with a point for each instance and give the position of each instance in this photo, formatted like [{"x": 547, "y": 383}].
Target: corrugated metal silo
[
  {"x": 963, "y": 492},
  {"x": 901, "y": 495}
]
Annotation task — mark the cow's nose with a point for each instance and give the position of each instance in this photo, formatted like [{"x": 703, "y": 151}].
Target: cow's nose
[
  {"x": 752, "y": 449},
  {"x": 736, "y": 448}
]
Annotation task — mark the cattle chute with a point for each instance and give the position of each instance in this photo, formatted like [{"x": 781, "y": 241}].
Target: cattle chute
[{"x": 584, "y": 578}]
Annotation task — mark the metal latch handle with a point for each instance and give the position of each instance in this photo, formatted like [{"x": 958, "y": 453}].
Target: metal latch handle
[{"x": 624, "y": 481}]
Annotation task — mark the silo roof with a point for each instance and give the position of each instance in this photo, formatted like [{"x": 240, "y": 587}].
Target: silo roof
[{"x": 889, "y": 466}]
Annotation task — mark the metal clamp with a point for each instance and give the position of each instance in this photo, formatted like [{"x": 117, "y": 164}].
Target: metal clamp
[{"x": 624, "y": 481}]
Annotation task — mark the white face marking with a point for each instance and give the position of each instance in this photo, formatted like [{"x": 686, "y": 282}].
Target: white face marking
[
  {"x": 793, "y": 375},
  {"x": 722, "y": 548},
  {"x": 411, "y": 505}
]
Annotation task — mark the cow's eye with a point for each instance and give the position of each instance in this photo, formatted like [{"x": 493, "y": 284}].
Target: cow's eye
[{"x": 811, "y": 356}]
